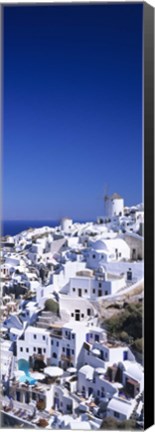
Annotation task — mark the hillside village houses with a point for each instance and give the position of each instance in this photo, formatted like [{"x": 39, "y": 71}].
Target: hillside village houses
[{"x": 61, "y": 361}]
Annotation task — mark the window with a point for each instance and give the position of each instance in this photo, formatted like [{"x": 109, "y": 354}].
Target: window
[
  {"x": 63, "y": 349},
  {"x": 57, "y": 344},
  {"x": 97, "y": 338},
  {"x": 34, "y": 336},
  {"x": 82, "y": 315},
  {"x": 100, "y": 293},
  {"x": 88, "y": 312},
  {"x": 94, "y": 290},
  {"x": 116, "y": 414},
  {"x": 85, "y": 290},
  {"x": 51, "y": 342},
  {"x": 21, "y": 349},
  {"x": 44, "y": 350},
  {"x": 100, "y": 285},
  {"x": 94, "y": 256},
  {"x": 27, "y": 349},
  {"x": 73, "y": 336},
  {"x": 54, "y": 355},
  {"x": 43, "y": 337},
  {"x": 27, "y": 398},
  {"x": 120, "y": 254},
  {"x": 98, "y": 392},
  {"x": 106, "y": 292},
  {"x": 73, "y": 289},
  {"x": 72, "y": 314},
  {"x": 72, "y": 351},
  {"x": 34, "y": 349}
]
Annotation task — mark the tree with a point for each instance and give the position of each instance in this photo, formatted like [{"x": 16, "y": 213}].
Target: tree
[
  {"x": 52, "y": 306},
  {"x": 109, "y": 423}
]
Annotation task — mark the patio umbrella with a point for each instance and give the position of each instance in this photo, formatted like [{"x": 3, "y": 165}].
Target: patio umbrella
[
  {"x": 37, "y": 375},
  {"x": 53, "y": 371},
  {"x": 71, "y": 370},
  {"x": 19, "y": 373}
]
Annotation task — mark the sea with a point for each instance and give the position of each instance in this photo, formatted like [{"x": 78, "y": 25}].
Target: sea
[{"x": 17, "y": 226}]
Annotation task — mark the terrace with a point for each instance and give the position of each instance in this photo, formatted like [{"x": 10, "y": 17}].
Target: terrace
[{"x": 25, "y": 413}]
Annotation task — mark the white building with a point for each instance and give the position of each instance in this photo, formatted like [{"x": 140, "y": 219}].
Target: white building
[
  {"x": 136, "y": 245},
  {"x": 113, "y": 206},
  {"x": 67, "y": 344},
  {"x": 121, "y": 409},
  {"x": 107, "y": 250},
  {"x": 103, "y": 354},
  {"x": 58, "y": 280},
  {"x": 89, "y": 286},
  {"x": 66, "y": 225},
  {"x": 34, "y": 342},
  {"x": 92, "y": 382}
]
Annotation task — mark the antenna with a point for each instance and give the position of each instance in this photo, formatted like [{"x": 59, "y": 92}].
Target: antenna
[{"x": 105, "y": 191}]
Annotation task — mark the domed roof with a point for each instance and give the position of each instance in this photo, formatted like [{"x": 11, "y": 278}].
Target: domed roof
[{"x": 99, "y": 245}]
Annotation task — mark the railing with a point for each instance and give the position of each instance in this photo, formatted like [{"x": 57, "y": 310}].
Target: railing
[
  {"x": 56, "y": 335},
  {"x": 65, "y": 357}
]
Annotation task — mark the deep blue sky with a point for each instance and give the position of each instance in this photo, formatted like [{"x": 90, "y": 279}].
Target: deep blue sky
[{"x": 72, "y": 109}]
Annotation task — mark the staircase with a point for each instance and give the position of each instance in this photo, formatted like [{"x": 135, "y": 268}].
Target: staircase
[{"x": 45, "y": 319}]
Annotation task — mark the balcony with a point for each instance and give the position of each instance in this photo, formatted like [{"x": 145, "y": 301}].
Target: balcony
[
  {"x": 66, "y": 358},
  {"x": 56, "y": 334}
]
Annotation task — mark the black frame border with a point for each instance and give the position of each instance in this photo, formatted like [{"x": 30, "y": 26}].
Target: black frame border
[{"x": 148, "y": 121}]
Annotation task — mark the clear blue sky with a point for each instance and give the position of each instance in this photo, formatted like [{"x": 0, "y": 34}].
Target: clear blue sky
[{"x": 72, "y": 109}]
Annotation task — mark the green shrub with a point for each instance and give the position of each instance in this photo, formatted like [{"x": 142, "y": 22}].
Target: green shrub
[
  {"x": 109, "y": 423},
  {"x": 138, "y": 345},
  {"x": 52, "y": 306},
  {"x": 124, "y": 336},
  {"x": 129, "y": 321}
]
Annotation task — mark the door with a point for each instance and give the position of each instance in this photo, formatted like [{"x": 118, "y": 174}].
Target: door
[
  {"x": 79, "y": 292},
  {"x": 77, "y": 315},
  {"x": 134, "y": 254},
  {"x": 116, "y": 252},
  {"x": 68, "y": 352},
  {"x": 90, "y": 391},
  {"x": 56, "y": 403},
  {"x": 125, "y": 355}
]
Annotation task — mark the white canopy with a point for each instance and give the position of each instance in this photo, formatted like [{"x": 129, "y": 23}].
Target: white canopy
[
  {"x": 37, "y": 375},
  {"x": 53, "y": 371},
  {"x": 71, "y": 370},
  {"x": 19, "y": 373}
]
